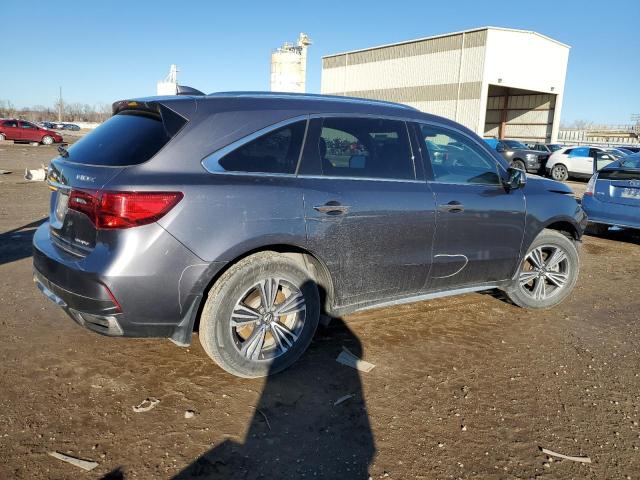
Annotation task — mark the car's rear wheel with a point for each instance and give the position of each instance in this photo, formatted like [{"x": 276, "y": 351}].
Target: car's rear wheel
[
  {"x": 47, "y": 140},
  {"x": 260, "y": 315},
  {"x": 559, "y": 172},
  {"x": 548, "y": 272},
  {"x": 2, "y": 137},
  {"x": 519, "y": 164}
]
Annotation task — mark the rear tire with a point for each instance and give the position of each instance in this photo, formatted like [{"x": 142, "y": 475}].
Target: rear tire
[
  {"x": 47, "y": 140},
  {"x": 249, "y": 335},
  {"x": 519, "y": 164},
  {"x": 2, "y": 137},
  {"x": 548, "y": 272},
  {"x": 559, "y": 172}
]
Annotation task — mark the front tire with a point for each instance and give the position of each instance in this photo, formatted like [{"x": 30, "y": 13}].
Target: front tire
[
  {"x": 260, "y": 315},
  {"x": 548, "y": 272},
  {"x": 47, "y": 140},
  {"x": 559, "y": 172},
  {"x": 519, "y": 164}
]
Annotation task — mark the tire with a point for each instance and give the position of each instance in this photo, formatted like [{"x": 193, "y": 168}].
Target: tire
[
  {"x": 597, "y": 229},
  {"x": 559, "y": 172},
  {"x": 519, "y": 164},
  {"x": 557, "y": 279},
  {"x": 2, "y": 137},
  {"x": 232, "y": 343},
  {"x": 47, "y": 140}
]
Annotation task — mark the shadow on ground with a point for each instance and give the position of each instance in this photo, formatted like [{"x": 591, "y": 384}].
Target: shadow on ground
[
  {"x": 296, "y": 430},
  {"x": 16, "y": 244}
]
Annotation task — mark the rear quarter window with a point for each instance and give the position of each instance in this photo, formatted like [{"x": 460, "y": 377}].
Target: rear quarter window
[{"x": 128, "y": 138}]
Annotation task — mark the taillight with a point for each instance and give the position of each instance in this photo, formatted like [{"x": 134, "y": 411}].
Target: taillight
[
  {"x": 123, "y": 209},
  {"x": 591, "y": 186}
]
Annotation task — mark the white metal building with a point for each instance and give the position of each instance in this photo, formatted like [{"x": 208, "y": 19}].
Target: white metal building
[{"x": 499, "y": 82}]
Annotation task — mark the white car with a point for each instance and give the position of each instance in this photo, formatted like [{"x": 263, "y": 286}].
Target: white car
[{"x": 580, "y": 162}]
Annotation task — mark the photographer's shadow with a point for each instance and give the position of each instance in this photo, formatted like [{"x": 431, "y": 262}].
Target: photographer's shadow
[{"x": 297, "y": 430}]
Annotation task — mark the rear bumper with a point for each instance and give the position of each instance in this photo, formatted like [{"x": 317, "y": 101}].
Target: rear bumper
[
  {"x": 119, "y": 290},
  {"x": 611, "y": 213}
]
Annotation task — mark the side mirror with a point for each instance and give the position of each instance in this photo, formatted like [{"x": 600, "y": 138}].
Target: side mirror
[
  {"x": 516, "y": 178},
  {"x": 500, "y": 148}
]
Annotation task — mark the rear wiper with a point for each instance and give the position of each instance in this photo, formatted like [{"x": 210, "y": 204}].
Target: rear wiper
[{"x": 63, "y": 151}]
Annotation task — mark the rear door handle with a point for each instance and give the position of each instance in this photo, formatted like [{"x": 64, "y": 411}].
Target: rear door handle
[
  {"x": 451, "y": 207},
  {"x": 332, "y": 208}
]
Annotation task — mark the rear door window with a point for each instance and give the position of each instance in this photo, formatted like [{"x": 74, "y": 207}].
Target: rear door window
[
  {"x": 365, "y": 148},
  {"x": 10, "y": 123},
  {"x": 128, "y": 138}
]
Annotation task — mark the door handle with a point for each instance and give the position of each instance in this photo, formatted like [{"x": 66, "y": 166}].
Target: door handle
[
  {"x": 332, "y": 208},
  {"x": 451, "y": 207}
]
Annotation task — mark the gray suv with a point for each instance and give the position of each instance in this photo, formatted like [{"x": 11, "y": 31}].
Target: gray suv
[{"x": 246, "y": 216}]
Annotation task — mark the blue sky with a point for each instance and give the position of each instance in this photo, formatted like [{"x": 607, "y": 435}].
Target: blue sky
[{"x": 108, "y": 50}]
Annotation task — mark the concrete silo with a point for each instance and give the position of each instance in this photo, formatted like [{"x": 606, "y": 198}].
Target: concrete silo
[{"x": 289, "y": 66}]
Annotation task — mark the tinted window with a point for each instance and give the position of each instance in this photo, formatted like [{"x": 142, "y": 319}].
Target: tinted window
[
  {"x": 128, "y": 138},
  {"x": 515, "y": 144},
  {"x": 579, "y": 152},
  {"x": 10, "y": 123},
  {"x": 27, "y": 125},
  {"x": 274, "y": 152},
  {"x": 363, "y": 147},
  {"x": 456, "y": 159}
]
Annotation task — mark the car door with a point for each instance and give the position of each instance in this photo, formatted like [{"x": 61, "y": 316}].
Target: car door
[
  {"x": 369, "y": 213},
  {"x": 28, "y": 132},
  {"x": 580, "y": 161},
  {"x": 479, "y": 222},
  {"x": 11, "y": 130}
]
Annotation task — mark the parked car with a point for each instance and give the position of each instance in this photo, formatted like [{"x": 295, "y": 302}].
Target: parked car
[
  {"x": 632, "y": 148},
  {"x": 548, "y": 148},
  {"x": 254, "y": 212},
  {"x": 71, "y": 126},
  {"x": 23, "y": 131},
  {"x": 613, "y": 195},
  {"x": 578, "y": 162},
  {"x": 518, "y": 155}
]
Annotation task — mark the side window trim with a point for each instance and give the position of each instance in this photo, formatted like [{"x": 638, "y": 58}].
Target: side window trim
[
  {"x": 500, "y": 170},
  {"x": 211, "y": 162}
]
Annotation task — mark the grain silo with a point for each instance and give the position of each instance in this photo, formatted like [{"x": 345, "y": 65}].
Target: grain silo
[{"x": 289, "y": 66}]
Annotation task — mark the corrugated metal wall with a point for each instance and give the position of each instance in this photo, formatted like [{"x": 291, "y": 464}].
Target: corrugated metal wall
[{"x": 441, "y": 75}]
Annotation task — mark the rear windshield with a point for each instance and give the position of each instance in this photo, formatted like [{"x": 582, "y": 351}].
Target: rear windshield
[{"x": 128, "y": 138}]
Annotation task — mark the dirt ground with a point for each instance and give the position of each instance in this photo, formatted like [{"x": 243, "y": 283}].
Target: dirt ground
[{"x": 464, "y": 387}]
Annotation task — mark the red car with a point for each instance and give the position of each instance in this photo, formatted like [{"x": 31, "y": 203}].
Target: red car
[{"x": 21, "y": 131}]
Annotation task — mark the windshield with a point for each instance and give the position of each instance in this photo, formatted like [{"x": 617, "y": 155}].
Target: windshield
[
  {"x": 515, "y": 144},
  {"x": 553, "y": 147}
]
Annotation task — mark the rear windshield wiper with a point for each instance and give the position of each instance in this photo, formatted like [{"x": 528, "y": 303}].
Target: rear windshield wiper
[{"x": 63, "y": 152}]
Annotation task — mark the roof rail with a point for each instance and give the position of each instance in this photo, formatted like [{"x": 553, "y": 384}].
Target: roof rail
[{"x": 315, "y": 96}]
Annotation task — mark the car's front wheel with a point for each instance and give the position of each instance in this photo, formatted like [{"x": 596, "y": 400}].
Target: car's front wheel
[
  {"x": 47, "y": 140},
  {"x": 559, "y": 172},
  {"x": 260, "y": 315},
  {"x": 519, "y": 164},
  {"x": 548, "y": 272}
]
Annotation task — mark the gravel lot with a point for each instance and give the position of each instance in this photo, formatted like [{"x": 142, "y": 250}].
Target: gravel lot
[{"x": 464, "y": 387}]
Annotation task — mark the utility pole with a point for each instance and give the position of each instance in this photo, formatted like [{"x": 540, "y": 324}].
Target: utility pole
[{"x": 60, "y": 106}]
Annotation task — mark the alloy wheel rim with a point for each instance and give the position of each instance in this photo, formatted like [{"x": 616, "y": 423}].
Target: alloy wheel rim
[
  {"x": 558, "y": 172},
  {"x": 268, "y": 319},
  {"x": 545, "y": 272}
]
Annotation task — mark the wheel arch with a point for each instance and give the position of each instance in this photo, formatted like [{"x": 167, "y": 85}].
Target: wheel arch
[{"x": 311, "y": 262}]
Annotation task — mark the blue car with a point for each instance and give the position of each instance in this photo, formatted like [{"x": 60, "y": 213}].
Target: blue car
[{"x": 613, "y": 195}]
